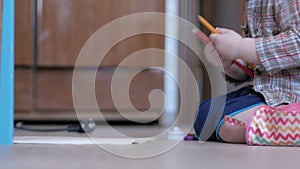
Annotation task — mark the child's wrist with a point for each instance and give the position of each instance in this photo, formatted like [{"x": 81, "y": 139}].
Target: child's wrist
[{"x": 247, "y": 50}]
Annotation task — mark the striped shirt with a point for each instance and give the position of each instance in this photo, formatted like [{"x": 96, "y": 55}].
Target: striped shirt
[{"x": 275, "y": 26}]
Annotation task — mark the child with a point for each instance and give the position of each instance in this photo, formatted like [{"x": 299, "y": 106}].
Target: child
[{"x": 273, "y": 45}]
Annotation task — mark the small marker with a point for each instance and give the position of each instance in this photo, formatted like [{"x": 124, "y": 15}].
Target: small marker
[{"x": 190, "y": 137}]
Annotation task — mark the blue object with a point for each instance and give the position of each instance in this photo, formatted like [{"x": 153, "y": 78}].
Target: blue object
[
  {"x": 7, "y": 74},
  {"x": 236, "y": 102}
]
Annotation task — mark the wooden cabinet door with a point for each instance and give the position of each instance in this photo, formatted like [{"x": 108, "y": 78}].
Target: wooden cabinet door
[
  {"x": 24, "y": 35},
  {"x": 65, "y": 25},
  {"x": 44, "y": 70},
  {"x": 54, "y": 89},
  {"x": 24, "y": 55}
]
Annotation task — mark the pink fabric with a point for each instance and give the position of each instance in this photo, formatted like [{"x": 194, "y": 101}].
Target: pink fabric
[{"x": 277, "y": 126}]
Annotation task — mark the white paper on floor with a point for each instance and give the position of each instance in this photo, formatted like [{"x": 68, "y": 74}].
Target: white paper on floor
[{"x": 78, "y": 140}]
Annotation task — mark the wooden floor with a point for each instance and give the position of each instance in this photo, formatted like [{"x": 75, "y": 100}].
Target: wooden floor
[{"x": 188, "y": 154}]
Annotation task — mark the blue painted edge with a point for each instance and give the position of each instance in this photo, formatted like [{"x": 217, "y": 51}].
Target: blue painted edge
[{"x": 7, "y": 74}]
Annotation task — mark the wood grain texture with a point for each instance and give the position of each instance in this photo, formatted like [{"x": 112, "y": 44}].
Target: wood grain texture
[
  {"x": 54, "y": 89},
  {"x": 24, "y": 37},
  {"x": 23, "y": 90},
  {"x": 65, "y": 25}
]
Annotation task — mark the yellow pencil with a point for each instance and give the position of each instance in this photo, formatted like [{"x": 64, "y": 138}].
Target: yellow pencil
[{"x": 207, "y": 25}]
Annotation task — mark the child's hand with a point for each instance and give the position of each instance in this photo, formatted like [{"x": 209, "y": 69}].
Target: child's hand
[
  {"x": 230, "y": 69},
  {"x": 227, "y": 43},
  {"x": 214, "y": 58}
]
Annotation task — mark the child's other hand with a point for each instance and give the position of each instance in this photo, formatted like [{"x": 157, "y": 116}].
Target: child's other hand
[
  {"x": 213, "y": 57},
  {"x": 230, "y": 69},
  {"x": 227, "y": 43}
]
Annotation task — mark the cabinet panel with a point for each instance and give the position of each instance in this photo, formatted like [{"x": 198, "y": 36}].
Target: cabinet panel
[
  {"x": 54, "y": 89},
  {"x": 24, "y": 37},
  {"x": 65, "y": 25},
  {"x": 23, "y": 89},
  {"x": 43, "y": 82},
  {"x": 132, "y": 44}
]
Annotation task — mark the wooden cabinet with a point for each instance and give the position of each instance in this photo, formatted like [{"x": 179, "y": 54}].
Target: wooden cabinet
[
  {"x": 59, "y": 95},
  {"x": 65, "y": 25},
  {"x": 24, "y": 51},
  {"x": 49, "y": 37},
  {"x": 24, "y": 32}
]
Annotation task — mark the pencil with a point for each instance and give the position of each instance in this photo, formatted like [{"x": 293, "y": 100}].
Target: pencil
[
  {"x": 201, "y": 35},
  {"x": 207, "y": 25},
  {"x": 245, "y": 69}
]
